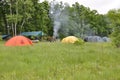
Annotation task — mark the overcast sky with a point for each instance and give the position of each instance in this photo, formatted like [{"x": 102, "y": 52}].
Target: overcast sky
[{"x": 102, "y": 6}]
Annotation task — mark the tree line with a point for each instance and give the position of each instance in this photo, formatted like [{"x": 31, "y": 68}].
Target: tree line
[{"x": 18, "y": 16}]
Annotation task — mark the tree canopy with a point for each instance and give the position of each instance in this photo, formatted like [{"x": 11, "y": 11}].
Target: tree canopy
[{"x": 56, "y": 19}]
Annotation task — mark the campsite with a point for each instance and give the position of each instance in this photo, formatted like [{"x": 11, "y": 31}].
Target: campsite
[{"x": 59, "y": 40}]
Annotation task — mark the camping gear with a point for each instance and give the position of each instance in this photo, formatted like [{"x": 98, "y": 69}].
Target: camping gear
[
  {"x": 6, "y": 37},
  {"x": 33, "y": 35},
  {"x": 96, "y": 39},
  {"x": 70, "y": 39},
  {"x": 18, "y": 41}
]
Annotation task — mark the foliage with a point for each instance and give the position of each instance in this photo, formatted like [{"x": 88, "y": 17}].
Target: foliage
[
  {"x": 80, "y": 21},
  {"x": 15, "y": 13},
  {"x": 79, "y": 42},
  {"x": 3, "y": 21},
  {"x": 30, "y": 13},
  {"x": 0, "y": 38},
  {"x": 40, "y": 20},
  {"x": 76, "y": 20},
  {"x": 116, "y": 36},
  {"x": 114, "y": 16}
]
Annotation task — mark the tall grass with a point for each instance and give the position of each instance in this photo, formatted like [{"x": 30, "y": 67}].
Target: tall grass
[{"x": 57, "y": 61}]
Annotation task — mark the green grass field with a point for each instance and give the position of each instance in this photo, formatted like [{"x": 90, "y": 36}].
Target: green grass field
[{"x": 57, "y": 61}]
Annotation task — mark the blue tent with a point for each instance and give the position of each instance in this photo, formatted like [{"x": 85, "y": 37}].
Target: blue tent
[
  {"x": 33, "y": 33},
  {"x": 5, "y": 37},
  {"x": 36, "y": 34}
]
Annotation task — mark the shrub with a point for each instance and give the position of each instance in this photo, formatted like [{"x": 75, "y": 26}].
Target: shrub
[
  {"x": 0, "y": 38},
  {"x": 116, "y": 36},
  {"x": 79, "y": 42}
]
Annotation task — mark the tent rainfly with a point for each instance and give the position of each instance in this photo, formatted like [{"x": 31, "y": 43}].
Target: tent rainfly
[
  {"x": 33, "y": 33},
  {"x": 18, "y": 41},
  {"x": 69, "y": 39}
]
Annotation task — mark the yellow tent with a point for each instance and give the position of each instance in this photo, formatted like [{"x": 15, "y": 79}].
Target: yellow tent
[{"x": 69, "y": 39}]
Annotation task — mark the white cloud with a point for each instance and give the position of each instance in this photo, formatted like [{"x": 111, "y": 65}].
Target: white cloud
[{"x": 102, "y": 6}]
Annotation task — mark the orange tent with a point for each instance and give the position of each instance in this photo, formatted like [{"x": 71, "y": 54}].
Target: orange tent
[{"x": 18, "y": 41}]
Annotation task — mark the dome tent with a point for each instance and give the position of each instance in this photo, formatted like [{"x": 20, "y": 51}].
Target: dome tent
[
  {"x": 70, "y": 39},
  {"x": 18, "y": 41}
]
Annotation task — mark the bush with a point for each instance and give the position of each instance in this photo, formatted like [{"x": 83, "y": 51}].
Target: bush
[
  {"x": 116, "y": 40},
  {"x": 116, "y": 37},
  {"x": 0, "y": 38},
  {"x": 79, "y": 42}
]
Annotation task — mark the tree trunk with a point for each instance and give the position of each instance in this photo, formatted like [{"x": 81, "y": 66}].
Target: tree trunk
[
  {"x": 12, "y": 29},
  {"x": 12, "y": 24},
  {"x": 15, "y": 29},
  {"x": 22, "y": 25},
  {"x": 16, "y": 19}
]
